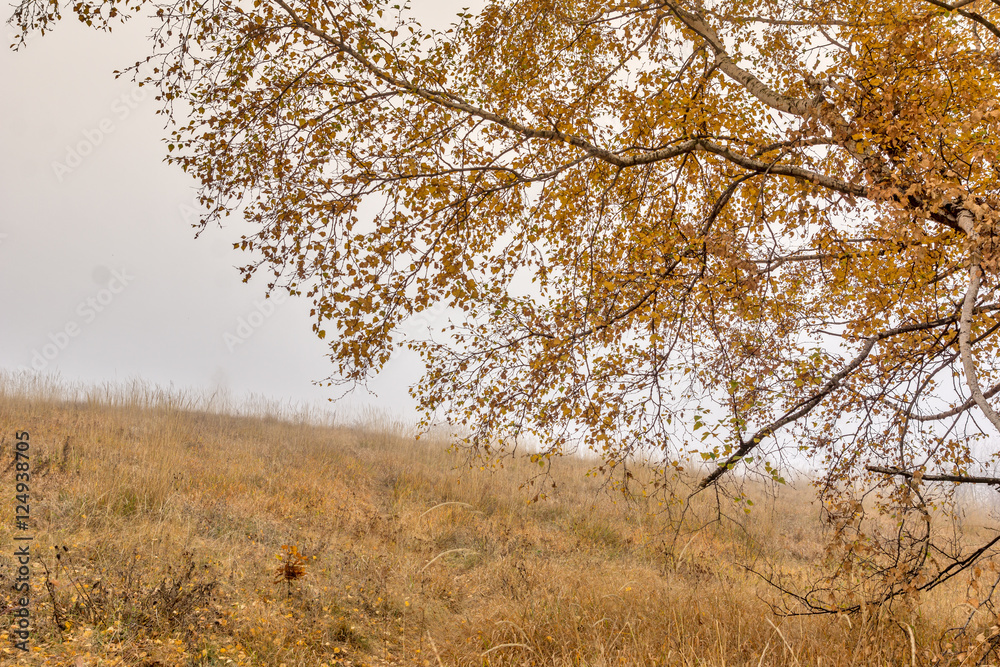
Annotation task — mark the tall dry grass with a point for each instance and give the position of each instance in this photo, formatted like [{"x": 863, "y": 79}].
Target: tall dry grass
[{"x": 160, "y": 521}]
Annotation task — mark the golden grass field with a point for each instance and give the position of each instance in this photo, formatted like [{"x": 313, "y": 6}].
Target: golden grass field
[{"x": 160, "y": 529}]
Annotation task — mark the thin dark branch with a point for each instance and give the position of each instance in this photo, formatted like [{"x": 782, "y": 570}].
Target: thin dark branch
[{"x": 958, "y": 479}]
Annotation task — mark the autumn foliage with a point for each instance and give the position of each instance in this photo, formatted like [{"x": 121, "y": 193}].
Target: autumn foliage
[{"x": 688, "y": 231}]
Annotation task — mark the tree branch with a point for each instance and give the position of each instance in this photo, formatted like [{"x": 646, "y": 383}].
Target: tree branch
[
  {"x": 958, "y": 479},
  {"x": 615, "y": 158},
  {"x": 965, "y": 221},
  {"x": 753, "y": 85},
  {"x": 805, "y": 406},
  {"x": 792, "y": 414},
  {"x": 972, "y": 16}
]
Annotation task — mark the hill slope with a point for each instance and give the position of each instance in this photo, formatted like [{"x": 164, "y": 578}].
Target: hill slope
[{"x": 159, "y": 534}]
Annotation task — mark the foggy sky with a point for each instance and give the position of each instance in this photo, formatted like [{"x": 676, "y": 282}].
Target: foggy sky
[{"x": 102, "y": 277}]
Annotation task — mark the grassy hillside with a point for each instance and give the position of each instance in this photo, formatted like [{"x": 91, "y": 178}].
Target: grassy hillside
[{"x": 159, "y": 532}]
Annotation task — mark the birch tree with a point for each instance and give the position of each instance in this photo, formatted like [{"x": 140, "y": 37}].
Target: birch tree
[{"x": 692, "y": 232}]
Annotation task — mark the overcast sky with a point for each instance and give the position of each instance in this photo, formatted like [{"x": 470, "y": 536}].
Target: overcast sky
[{"x": 103, "y": 278}]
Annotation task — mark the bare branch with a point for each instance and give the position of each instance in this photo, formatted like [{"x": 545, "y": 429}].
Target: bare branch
[{"x": 958, "y": 479}]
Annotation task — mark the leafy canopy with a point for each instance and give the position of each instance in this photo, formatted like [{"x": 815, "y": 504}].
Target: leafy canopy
[{"x": 703, "y": 229}]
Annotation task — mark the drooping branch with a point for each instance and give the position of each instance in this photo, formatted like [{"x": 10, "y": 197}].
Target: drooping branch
[
  {"x": 794, "y": 413},
  {"x": 805, "y": 406}
]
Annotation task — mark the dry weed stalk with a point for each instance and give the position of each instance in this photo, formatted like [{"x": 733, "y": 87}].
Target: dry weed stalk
[{"x": 292, "y": 568}]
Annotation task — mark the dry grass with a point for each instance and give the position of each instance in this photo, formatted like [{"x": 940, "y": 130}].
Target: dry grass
[{"x": 162, "y": 530}]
